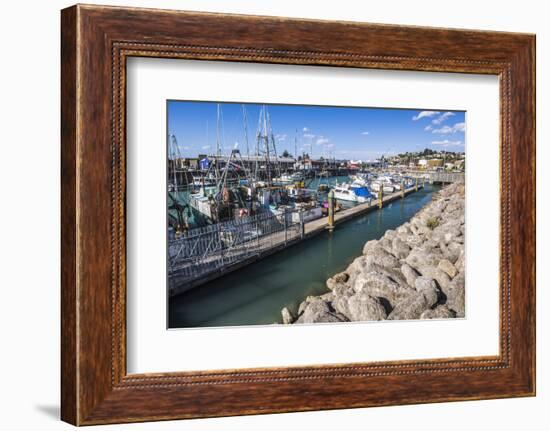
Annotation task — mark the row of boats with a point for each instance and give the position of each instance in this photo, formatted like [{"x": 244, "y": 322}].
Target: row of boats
[
  {"x": 366, "y": 186},
  {"x": 232, "y": 187},
  {"x": 245, "y": 197},
  {"x": 209, "y": 180}
]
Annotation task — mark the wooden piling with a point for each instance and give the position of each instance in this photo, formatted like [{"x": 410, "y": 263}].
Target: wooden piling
[{"x": 331, "y": 205}]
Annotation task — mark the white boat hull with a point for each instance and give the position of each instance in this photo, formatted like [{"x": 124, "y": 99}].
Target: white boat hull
[
  {"x": 350, "y": 197},
  {"x": 308, "y": 215},
  {"x": 202, "y": 204}
]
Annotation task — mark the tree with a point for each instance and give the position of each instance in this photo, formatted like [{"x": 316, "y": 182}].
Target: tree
[{"x": 286, "y": 153}]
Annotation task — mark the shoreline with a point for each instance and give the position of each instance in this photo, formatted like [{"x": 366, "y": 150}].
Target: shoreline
[{"x": 413, "y": 272}]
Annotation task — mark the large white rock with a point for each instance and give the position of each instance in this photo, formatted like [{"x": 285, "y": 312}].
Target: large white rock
[{"x": 362, "y": 307}]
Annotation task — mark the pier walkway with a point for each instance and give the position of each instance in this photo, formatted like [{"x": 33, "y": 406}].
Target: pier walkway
[
  {"x": 316, "y": 226},
  {"x": 439, "y": 177}
]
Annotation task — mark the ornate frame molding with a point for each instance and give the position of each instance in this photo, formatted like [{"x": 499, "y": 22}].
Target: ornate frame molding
[{"x": 96, "y": 41}]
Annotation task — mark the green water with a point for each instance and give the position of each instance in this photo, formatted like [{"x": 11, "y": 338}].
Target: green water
[{"x": 255, "y": 295}]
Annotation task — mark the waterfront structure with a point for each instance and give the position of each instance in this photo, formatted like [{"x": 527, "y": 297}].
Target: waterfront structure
[{"x": 202, "y": 254}]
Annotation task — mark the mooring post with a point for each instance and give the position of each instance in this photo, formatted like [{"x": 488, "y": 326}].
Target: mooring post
[
  {"x": 423, "y": 181},
  {"x": 221, "y": 244},
  {"x": 416, "y": 185},
  {"x": 302, "y": 226},
  {"x": 331, "y": 202},
  {"x": 380, "y": 197},
  {"x": 286, "y": 225},
  {"x": 402, "y": 188}
]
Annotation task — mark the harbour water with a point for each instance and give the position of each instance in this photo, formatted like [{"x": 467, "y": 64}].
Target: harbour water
[{"x": 255, "y": 295}]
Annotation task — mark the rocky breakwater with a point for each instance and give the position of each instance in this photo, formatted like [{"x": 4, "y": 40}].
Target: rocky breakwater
[{"x": 413, "y": 272}]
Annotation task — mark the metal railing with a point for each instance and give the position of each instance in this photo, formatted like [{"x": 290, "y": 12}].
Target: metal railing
[
  {"x": 205, "y": 250},
  {"x": 447, "y": 177},
  {"x": 440, "y": 177}
]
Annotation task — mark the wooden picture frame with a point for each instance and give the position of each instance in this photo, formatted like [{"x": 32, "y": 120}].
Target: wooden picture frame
[{"x": 95, "y": 43}]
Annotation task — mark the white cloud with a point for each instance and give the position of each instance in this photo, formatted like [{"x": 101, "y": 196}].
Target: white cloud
[
  {"x": 309, "y": 135},
  {"x": 281, "y": 137},
  {"x": 322, "y": 141},
  {"x": 305, "y": 129},
  {"x": 445, "y": 130},
  {"x": 365, "y": 133},
  {"x": 447, "y": 143},
  {"x": 186, "y": 148},
  {"x": 363, "y": 154},
  {"x": 424, "y": 114},
  {"x": 205, "y": 147},
  {"x": 460, "y": 127},
  {"x": 428, "y": 128},
  {"x": 442, "y": 118},
  {"x": 330, "y": 145}
]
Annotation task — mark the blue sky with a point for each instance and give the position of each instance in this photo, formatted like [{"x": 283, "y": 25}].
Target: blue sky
[{"x": 341, "y": 132}]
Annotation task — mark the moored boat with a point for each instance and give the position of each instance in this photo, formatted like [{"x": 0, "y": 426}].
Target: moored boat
[{"x": 352, "y": 193}]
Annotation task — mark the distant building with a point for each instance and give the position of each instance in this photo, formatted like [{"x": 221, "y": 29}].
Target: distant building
[
  {"x": 354, "y": 164},
  {"x": 372, "y": 163},
  {"x": 435, "y": 163},
  {"x": 182, "y": 163}
]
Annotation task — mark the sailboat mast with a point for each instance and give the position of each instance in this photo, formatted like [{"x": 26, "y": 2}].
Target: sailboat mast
[
  {"x": 274, "y": 145},
  {"x": 218, "y": 143},
  {"x": 173, "y": 155},
  {"x": 266, "y": 145},
  {"x": 296, "y": 145},
  {"x": 245, "y": 121},
  {"x": 258, "y": 137}
]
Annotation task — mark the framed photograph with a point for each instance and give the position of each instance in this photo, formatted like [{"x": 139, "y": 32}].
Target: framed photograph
[{"x": 258, "y": 208}]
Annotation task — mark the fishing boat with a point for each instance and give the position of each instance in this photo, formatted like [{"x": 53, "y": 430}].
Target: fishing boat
[
  {"x": 284, "y": 179},
  {"x": 298, "y": 193},
  {"x": 204, "y": 180},
  {"x": 297, "y": 176},
  {"x": 309, "y": 211},
  {"x": 202, "y": 203}
]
